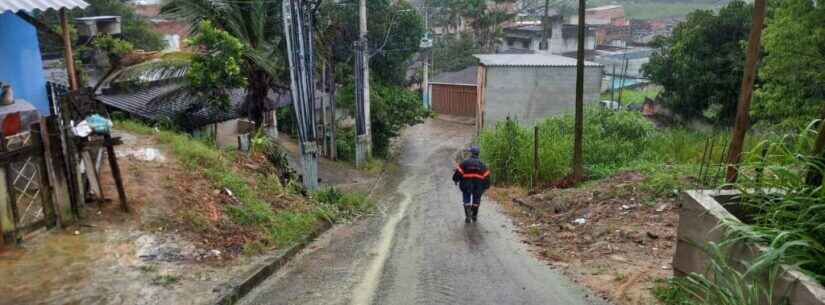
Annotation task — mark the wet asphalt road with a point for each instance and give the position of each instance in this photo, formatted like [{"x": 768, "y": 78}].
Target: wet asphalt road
[{"x": 418, "y": 250}]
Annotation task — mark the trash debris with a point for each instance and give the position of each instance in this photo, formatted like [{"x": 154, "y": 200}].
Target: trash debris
[
  {"x": 82, "y": 129},
  {"x": 580, "y": 221},
  {"x": 99, "y": 124}
]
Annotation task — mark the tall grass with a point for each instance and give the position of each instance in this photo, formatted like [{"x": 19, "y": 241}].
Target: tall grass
[
  {"x": 787, "y": 215},
  {"x": 613, "y": 141},
  {"x": 721, "y": 284}
]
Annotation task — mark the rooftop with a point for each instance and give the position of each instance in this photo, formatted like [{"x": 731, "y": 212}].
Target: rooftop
[
  {"x": 468, "y": 76},
  {"x": 603, "y": 8},
  {"x": 41, "y": 5},
  {"x": 529, "y": 60}
]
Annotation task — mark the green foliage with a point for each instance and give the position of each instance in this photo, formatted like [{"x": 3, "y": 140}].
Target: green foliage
[
  {"x": 286, "y": 121},
  {"x": 453, "y": 54},
  {"x": 391, "y": 109},
  {"x": 345, "y": 143},
  {"x": 344, "y": 204},
  {"x": 787, "y": 214},
  {"x": 215, "y": 69},
  {"x": 612, "y": 139},
  {"x": 257, "y": 25},
  {"x": 701, "y": 64},
  {"x": 721, "y": 284},
  {"x": 282, "y": 227},
  {"x": 793, "y": 68},
  {"x": 136, "y": 30},
  {"x": 394, "y": 32},
  {"x": 115, "y": 48}
]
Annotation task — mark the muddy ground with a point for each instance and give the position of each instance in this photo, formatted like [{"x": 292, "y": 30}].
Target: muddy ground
[
  {"x": 177, "y": 247},
  {"x": 612, "y": 235}
]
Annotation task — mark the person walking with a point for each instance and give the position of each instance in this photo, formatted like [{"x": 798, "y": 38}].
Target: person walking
[{"x": 472, "y": 178}]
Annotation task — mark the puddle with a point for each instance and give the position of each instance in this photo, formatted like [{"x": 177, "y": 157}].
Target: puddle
[
  {"x": 112, "y": 265},
  {"x": 144, "y": 154}
]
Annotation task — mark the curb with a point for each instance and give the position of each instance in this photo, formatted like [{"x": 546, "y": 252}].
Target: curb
[{"x": 238, "y": 290}]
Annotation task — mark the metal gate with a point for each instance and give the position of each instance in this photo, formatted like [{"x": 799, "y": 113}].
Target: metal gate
[{"x": 454, "y": 99}]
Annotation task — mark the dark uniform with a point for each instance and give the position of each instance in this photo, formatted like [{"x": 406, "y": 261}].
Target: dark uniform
[{"x": 473, "y": 178}]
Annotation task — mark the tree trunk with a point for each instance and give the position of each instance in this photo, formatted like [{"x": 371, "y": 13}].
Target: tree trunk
[
  {"x": 256, "y": 97},
  {"x": 745, "y": 93},
  {"x": 578, "y": 166}
]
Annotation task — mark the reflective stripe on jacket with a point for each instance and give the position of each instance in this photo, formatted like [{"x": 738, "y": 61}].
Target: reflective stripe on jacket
[{"x": 472, "y": 175}]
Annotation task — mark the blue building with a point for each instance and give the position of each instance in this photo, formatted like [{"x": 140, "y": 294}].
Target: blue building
[{"x": 21, "y": 65}]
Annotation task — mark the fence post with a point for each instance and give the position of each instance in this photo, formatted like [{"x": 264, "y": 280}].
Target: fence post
[
  {"x": 7, "y": 218},
  {"x": 535, "y": 159},
  {"x": 56, "y": 168},
  {"x": 39, "y": 137}
]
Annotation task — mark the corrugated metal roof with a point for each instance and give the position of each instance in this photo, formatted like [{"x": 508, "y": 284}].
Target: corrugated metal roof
[
  {"x": 143, "y": 103},
  {"x": 467, "y": 76},
  {"x": 42, "y": 5},
  {"x": 529, "y": 60}
]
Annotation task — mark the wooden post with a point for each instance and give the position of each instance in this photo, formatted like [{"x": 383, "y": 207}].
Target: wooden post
[
  {"x": 67, "y": 51},
  {"x": 39, "y": 136},
  {"x": 743, "y": 107},
  {"x": 56, "y": 170},
  {"x": 535, "y": 158},
  {"x": 8, "y": 217},
  {"x": 121, "y": 191},
  {"x": 578, "y": 166}
]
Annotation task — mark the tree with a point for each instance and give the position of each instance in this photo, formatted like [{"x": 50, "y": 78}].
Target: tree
[
  {"x": 701, "y": 65},
  {"x": 135, "y": 28},
  {"x": 216, "y": 66},
  {"x": 793, "y": 69},
  {"x": 454, "y": 53},
  {"x": 394, "y": 35},
  {"x": 257, "y": 25}
]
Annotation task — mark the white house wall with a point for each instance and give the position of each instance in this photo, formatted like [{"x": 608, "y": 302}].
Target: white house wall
[{"x": 531, "y": 93}]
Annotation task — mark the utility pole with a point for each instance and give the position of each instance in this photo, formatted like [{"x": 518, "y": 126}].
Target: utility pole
[
  {"x": 545, "y": 22},
  {"x": 426, "y": 44},
  {"x": 578, "y": 167},
  {"x": 298, "y": 32},
  {"x": 363, "y": 145},
  {"x": 740, "y": 127}
]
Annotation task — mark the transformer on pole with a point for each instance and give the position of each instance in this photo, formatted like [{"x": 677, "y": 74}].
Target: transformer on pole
[{"x": 298, "y": 33}]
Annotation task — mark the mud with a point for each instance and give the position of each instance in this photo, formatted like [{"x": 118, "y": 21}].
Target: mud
[{"x": 418, "y": 250}]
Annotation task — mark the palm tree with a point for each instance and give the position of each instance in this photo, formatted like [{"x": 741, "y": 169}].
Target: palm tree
[{"x": 255, "y": 23}]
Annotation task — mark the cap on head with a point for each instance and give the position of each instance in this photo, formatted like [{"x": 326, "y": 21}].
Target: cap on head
[{"x": 474, "y": 150}]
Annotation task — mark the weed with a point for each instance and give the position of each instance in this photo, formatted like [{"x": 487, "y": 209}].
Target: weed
[
  {"x": 165, "y": 280},
  {"x": 281, "y": 227},
  {"x": 148, "y": 268}
]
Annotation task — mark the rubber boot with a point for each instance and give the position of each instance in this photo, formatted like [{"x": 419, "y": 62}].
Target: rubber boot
[
  {"x": 468, "y": 214},
  {"x": 474, "y": 210}
]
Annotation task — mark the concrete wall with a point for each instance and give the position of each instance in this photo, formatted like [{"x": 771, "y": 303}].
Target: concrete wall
[
  {"x": 699, "y": 224},
  {"x": 20, "y": 62},
  {"x": 532, "y": 93}
]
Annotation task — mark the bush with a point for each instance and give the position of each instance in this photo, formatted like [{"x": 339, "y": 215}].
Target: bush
[
  {"x": 612, "y": 139},
  {"x": 391, "y": 109}
]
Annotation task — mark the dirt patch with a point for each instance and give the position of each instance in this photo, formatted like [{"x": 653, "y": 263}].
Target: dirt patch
[{"x": 613, "y": 235}]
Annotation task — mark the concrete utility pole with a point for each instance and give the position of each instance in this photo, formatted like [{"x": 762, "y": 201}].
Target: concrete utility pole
[
  {"x": 363, "y": 145},
  {"x": 298, "y": 32},
  {"x": 578, "y": 166},
  {"x": 745, "y": 93},
  {"x": 426, "y": 44}
]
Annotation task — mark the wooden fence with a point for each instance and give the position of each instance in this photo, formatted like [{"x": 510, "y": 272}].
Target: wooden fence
[
  {"x": 47, "y": 174},
  {"x": 454, "y": 99}
]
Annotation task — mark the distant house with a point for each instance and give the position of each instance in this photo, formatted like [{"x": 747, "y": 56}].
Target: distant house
[
  {"x": 531, "y": 87},
  {"x": 173, "y": 31},
  {"x": 526, "y": 38},
  {"x": 455, "y": 93}
]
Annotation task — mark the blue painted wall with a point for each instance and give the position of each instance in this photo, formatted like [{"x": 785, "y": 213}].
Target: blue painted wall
[{"x": 20, "y": 62}]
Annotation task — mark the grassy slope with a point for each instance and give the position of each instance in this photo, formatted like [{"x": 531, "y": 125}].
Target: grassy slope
[{"x": 279, "y": 215}]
